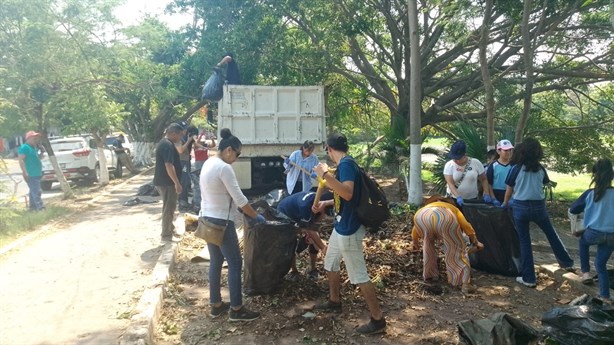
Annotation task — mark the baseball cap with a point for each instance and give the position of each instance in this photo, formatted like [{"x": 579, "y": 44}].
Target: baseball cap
[
  {"x": 183, "y": 124},
  {"x": 31, "y": 134},
  {"x": 458, "y": 150},
  {"x": 338, "y": 142},
  {"x": 504, "y": 145}
]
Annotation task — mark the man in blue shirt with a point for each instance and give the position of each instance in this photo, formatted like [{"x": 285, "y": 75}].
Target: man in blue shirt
[
  {"x": 346, "y": 239},
  {"x": 32, "y": 169}
]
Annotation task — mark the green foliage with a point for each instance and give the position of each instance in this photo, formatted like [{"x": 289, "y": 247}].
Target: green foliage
[{"x": 15, "y": 221}]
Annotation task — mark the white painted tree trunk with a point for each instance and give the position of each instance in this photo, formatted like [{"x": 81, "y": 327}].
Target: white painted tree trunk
[
  {"x": 60, "y": 176},
  {"x": 414, "y": 187},
  {"x": 103, "y": 179},
  {"x": 143, "y": 153}
]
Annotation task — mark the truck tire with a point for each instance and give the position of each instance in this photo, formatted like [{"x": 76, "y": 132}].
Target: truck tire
[
  {"x": 46, "y": 185},
  {"x": 119, "y": 172},
  {"x": 94, "y": 175}
]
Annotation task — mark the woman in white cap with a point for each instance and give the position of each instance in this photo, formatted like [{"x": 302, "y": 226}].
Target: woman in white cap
[
  {"x": 497, "y": 171},
  {"x": 462, "y": 174}
]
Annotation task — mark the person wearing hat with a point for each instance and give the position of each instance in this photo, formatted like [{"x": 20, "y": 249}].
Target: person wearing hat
[
  {"x": 122, "y": 156},
  {"x": 166, "y": 177},
  {"x": 32, "y": 169},
  {"x": 462, "y": 174},
  {"x": 184, "y": 147},
  {"x": 297, "y": 207},
  {"x": 497, "y": 171},
  {"x": 345, "y": 242}
]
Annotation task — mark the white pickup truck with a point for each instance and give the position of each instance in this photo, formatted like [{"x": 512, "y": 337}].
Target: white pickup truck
[
  {"x": 271, "y": 121},
  {"x": 78, "y": 159}
]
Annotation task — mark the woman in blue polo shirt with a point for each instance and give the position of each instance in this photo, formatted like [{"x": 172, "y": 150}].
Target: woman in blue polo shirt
[
  {"x": 525, "y": 195},
  {"x": 597, "y": 205}
]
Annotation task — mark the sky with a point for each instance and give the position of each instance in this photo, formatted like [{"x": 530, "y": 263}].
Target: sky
[{"x": 132, "y": 11}]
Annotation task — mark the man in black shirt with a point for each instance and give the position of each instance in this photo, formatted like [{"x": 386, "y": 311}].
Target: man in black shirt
[
  {"x": 166, "y": 177},
  {"x": 122, "y": 156}
]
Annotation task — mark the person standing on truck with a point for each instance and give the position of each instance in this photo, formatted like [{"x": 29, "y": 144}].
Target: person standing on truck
[
  {"x": 346, "y": 239},
  {"x": 220, "y": 192},
  {"x": 300, "y": 161},
  {"x": 184, "y": 147},
  {"x": 233, "y": 77},
  {"x": 122, "y": 156},
  {"x": 32, "y": 169},
  {"x": 166, "y": 177}
]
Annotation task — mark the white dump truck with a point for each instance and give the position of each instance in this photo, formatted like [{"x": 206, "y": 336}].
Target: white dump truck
[{"x": 271, "y": 121}]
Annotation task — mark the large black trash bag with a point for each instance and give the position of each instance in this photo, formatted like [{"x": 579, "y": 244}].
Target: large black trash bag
[
  {"x": 587, "y": 321},
  {"x": 148, "y": 189},
  {"x": 494, "y": 228},
  {"x": 498, "y": 329},
  {"x": 268, "y": 250},
  {"x": 214, "y": 87}
]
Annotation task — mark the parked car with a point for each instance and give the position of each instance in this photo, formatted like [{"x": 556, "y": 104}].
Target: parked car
[
  {"x": 78, "y": 159},
  {"x": 127, "y": 144}
]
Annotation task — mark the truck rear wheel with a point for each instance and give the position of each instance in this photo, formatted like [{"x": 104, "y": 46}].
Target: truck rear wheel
[{"x": 94, "y": 175}]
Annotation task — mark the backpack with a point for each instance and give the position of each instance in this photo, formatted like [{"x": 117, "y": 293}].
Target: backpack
[{"x": 372, "y": 209}]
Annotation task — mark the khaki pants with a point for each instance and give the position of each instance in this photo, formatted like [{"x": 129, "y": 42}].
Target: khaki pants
[
  {"x": 169, "y": 205},
  {"x": 126, "y": 161}
]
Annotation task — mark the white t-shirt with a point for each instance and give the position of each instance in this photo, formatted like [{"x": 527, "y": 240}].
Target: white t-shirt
[
  {"x": 218, "y": 188},
  {"x": 468, "y": 188}
]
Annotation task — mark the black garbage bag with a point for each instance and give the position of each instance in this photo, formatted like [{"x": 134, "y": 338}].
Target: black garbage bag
[
  {"x": 586, "y": 321},
  {"x": 214, "y": 87},
  {"x": 494, "y": 228},
  {"x": 274, "y": 197},
  {"x": 498, "y": 329},
  {"x": 148, "y": 189},
  {"x": 268, "y": 250}
]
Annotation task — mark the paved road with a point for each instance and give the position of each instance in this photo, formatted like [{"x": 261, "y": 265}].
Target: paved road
[{"x": 77, "y": 282}]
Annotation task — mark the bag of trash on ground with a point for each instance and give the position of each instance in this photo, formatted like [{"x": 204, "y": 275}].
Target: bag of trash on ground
[{"x": 498, "y": 329}]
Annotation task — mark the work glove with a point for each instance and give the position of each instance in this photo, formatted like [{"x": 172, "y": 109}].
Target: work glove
[
  {"x": 460, "y": 201},
  {"x": 260, "y": 219},
  {"x": 487, "y": 199},
  {"x": 496, "y": 203}
]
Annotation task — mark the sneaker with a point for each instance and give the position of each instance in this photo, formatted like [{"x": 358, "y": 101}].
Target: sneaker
[
  {"x": 293, "y": 276},
  {"x": 605, "y": 300},
  {"x": 243, "y": 314},
  {"x": 520, "y": 281},
  {"x": 217, "y": 311},
  {"x": 329, "y": 306},
  {"x": 586, "y": 278},
  {"x": 569, "y": 269},
  {"x": 313, "y": 274},
  {"x": 373, "y": 327}
]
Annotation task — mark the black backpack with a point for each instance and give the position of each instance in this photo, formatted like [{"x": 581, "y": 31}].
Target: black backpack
[{"x": 372, "y": 208}]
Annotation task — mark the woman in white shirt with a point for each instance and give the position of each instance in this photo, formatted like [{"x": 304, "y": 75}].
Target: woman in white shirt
[
  {"x": 463, "y": 173},
  {"x": 219, "y": 191}
]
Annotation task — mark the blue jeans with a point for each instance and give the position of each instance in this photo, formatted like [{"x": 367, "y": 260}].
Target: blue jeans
[
  {"x": 36, "y": 201},
  {"x": 605, "y": 247},
  {"x": 524, "y": 212},
  {"x": 230, "y": 251}
]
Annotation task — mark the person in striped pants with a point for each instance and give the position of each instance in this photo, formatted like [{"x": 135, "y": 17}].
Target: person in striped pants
[{"x": 440, "y": 219}]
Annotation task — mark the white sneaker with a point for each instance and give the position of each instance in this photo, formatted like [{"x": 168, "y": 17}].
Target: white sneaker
[{"x": 520, "y": 281}]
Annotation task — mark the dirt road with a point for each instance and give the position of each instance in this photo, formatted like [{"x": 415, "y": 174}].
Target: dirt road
[{"x": 77, "y": 282}]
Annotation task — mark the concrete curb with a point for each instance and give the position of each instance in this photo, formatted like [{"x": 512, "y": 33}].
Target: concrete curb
[{"x": 142, "y": 325}]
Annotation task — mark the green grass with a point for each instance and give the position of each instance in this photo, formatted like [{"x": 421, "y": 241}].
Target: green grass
[
  {"x": 18, "y": 221},
  {"x": 569, "y": 187}
]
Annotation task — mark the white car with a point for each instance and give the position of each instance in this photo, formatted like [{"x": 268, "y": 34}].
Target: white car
[
  {"x": 78, "y": 159},
  {"x": 127, "y": 144}
]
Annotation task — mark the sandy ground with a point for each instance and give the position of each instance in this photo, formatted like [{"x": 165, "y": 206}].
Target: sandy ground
[{"x": 78, "y": 280}]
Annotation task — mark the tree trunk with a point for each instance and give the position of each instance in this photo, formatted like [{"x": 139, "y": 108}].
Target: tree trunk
[
  {"x": 414, "y": 193},
  {"x": 143, "y": 153},
  {"x": 528, "y": 61},
  {"x": 102, "y": 160},
  {"x": 488, "y": 87},
  {"x": 52, "y": 158}
]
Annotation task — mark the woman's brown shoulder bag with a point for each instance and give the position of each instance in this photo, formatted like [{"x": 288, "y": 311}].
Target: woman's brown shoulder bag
[{"x": 210, "y": 232}]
